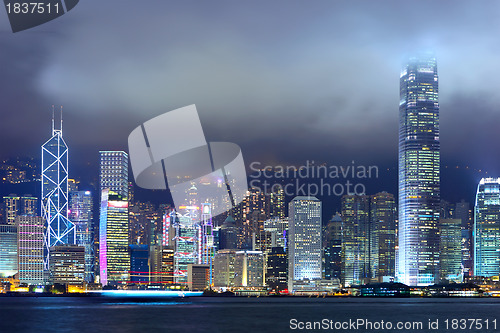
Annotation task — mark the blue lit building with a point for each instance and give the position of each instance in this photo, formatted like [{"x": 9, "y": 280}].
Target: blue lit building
[
  {"x": 487, "y": 228},
  {"x": 59, "y": 230},
  {"x": 8, "y": 250},
  {"x": 419, "y": 174},
  {"x": 80, "y": 213},
  {"x": 139, "y": 266}
]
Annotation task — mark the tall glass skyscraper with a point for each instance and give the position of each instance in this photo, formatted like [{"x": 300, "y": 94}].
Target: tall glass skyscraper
[
  {"x": 113, "y": 178},
  {"x": 487, "y": 228},
  {"x": 355, "y": 239},
  {"x": 59, "y": 229},
  {"x": 80, "y": 213},
  {"x": 304, "y": 240},
  {"x": 8, "y": 250},
  {"x": 114, "y": 172},
  {"x": 114, "y": 255},
  {"x": 419, "y": 179}
]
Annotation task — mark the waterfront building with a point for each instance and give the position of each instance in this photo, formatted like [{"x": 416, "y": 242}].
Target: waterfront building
[
  {"x": 139, "y": 264},
  {"x": 304, "y": 240},
  {"x": 419, "y": 173},
  {"x": 223, "y": 269},
  {"x": 487, "y": 228},
  {"x": 67, "y": 265},
  {"x": 249, "y": 269},
  {"x": 332, "y": 248},
  {"x": 8, "y": 250},
  {"x": 277, "y": 269},
  {"x": 114, "y": 256},
  {"x": 59, "y": 230},
  {"x": 30, "y": 249},
  {"x": 80, "y": 213},
  {"x": 450, "y": 250}
]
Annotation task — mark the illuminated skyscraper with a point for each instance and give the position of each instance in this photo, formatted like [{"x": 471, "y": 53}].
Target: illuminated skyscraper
[
  {"x": 114, "y": 172},
  {"x": 59, "y": 229},
  {"x": 8, "y": 250},
  {"x": 114, "y": 255},
  {"x": 487, "y": 228},
  {"x": 276, "y": 271},
  {"x": 277, "y": 204},
  {"x": 355, "y": 239},
  {"x": 19, "y": 205},
  {"x": 249, "y": 269},
  {"x": 332, "y": 248},
  {"x": 383, "y": 235},
  {"x": 113, "y": 180},
  {"x": 464, "y": 213},
  {"x": 30, "y": 247},
  {"x": 224, "y": 268},
  {"x": 368, "y": 237},
  {"x": 139, "y": 263},
  {"x": 450, "y": 250},
  {"x": 419, "y": 179},
  {"x": 80, "y": 213},
  {"x": 67, "y": 265},
  {"x": 304, "y": 240},
  {"x": 228, "y": 237}
]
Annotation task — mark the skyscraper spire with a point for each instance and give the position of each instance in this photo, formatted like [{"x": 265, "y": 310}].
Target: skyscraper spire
[
  {"x": 53, "y": 120},
  {"x": 61, "y": 117}
]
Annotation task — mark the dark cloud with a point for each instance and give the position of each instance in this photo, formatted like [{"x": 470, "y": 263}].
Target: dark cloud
[{"x": 287, "y": 80}]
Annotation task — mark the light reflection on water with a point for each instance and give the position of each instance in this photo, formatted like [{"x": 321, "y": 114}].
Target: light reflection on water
[{"x": 201, "y": 314}]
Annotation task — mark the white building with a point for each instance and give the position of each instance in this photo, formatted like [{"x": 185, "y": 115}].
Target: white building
[
  {"x": 304, "y": 240},
  {"x": 30, "y": 249}
]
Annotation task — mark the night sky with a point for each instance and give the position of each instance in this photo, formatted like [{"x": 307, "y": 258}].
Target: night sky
[{"x": 288, "y": 81}]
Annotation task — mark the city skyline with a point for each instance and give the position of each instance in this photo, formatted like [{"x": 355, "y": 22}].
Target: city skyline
[
  {"x": 420, "y": 168},
  {"x": 255, "y": 165}
]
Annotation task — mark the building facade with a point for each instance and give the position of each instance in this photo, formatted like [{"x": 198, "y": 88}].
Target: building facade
[
  {"x": 356, "y": 235},
  {"x": 383, "y": 236},
  {"x": 113, "y": 174},
  {"x": 67, "y": 265},
  {"x": 419, "y": 173},
  {"x": 30, "y": 249},
  {"x": 223, "y": 269},
  {"x": 114, "y": 256},
  {"x": 80, "y": 213},
  {"x": 450, "y": 250},
  {"x": 332, "y": 248},
  {"x": 487, "y": 228},
  {"x": 304, "y": 240},
  {"x": 8, "y": 250},
  {"x": 249, "y": 269},
  {"x": 139, "y": 264},
  {"x": 277, "y": 269},
  {"x": 59, "y": 230},
  {"x": 19, "y": 205}
]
